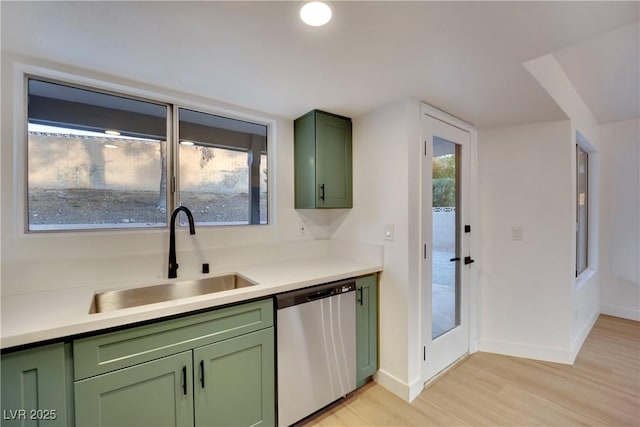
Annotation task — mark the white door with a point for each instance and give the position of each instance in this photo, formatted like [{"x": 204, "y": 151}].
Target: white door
[{"x": 445, "y": 257}]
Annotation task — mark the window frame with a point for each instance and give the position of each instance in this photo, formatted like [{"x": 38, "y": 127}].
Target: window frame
[
  {"x": 23, "y": 73},
  {"x": 592, "y": 249},
  {"x": 582, "y": 226}
]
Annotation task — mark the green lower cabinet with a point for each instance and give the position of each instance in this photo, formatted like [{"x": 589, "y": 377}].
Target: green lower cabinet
[
  {"x": 209, "y": 369},
  {"x": 366, "y": 328},
  {"x": 228, "y": 383},
  {"x": 35, "y": 387},
  {"x": 150, "y": 394},
  {"x": 235, "y": 381}
]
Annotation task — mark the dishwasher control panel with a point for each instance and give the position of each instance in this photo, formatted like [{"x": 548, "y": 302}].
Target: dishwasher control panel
[
  {"x": 347, "y": 288},
  {"x": 301, "y": 296}
]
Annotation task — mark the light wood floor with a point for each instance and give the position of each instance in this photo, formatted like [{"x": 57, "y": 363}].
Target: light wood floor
[{"x": 601, "y": 388}]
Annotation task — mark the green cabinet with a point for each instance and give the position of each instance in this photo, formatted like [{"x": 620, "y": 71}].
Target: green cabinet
[
  {"x": 366, "y": 328},
  {"x": 323, "y": 161},
  {"x": 35, "y": 387},
  {"x": 156, "y": 393},
  {"x": 235, "y": 381},
  {"x": 220, "y": 371}
]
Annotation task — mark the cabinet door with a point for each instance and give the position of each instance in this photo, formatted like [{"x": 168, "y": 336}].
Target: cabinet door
[
  {"x": 366, "y": 328},
  {"x": 304, "y": 152},
  {"x": 333, "y": 162},
  {"x": 157, "y": 393},
  {"x": 34, "y": 387},
  {"x": 234, "y": 381}
]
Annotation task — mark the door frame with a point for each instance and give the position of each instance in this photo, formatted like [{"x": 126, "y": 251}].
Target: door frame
[{"x": 473, "y": 244}]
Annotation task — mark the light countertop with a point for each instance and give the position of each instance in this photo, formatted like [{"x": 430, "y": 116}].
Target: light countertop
[{"x": 50, "y": 315}]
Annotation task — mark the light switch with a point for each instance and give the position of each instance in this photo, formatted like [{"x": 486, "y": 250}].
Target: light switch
[
  {"x": 388, "y": 232},
  {"x": 517, "y": 232}
]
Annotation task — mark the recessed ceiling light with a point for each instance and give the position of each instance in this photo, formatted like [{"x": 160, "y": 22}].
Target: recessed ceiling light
[
  {"x": 112, "y": 132},
  {"x": 316, "y": 13},
  {"x": 186, "y": 143},
  {"x": 109, "y": 146}
]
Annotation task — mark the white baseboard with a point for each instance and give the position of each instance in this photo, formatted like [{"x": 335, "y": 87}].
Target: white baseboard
[
  {"x": 401, "y": 389},
  {"x": 582, "y": 335},
  {"x": 548, "y": 354},
  {"x": 625, "y": 313},
  {"x": 415, "y": 389},
  {"x": 393, "y": 384}
]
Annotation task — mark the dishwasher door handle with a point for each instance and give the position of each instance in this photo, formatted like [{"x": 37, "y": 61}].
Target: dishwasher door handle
[{"x": 320, "y": 294}]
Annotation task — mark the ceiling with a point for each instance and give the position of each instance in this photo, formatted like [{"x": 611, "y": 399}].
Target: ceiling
[{"x": 462, "y": 57}]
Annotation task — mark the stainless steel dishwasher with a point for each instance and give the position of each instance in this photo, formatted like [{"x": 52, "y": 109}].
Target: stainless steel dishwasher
[{"x": 316, "y": 333}]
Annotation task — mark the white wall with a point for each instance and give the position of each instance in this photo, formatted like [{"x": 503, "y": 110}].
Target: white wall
[
  {"x": 525, "y": 286},
  {"x": 383, "y": 194},
  {"x": 33, "y": 262},
  {"x": 585, "y": 299},
  {"x": 620, "y": 219}
]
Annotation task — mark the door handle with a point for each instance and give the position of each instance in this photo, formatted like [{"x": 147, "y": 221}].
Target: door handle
[
  {"x": 360, "y": 300},
  {"x": 202, "y": 373},
  {"x": 184, "y": 380},
  {"x": 455, "y": 259},
  {"x": 322, "y": 192},
  {"x": 468, "y": 260}
]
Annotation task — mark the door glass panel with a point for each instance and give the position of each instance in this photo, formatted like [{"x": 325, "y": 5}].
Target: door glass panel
[{"x": 445, "y": 303}]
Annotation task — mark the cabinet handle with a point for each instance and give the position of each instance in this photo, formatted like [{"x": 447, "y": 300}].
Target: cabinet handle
[
  {"x": 322, "y": 192},
  {"x": 360, "y": 299},
  {"x": 202, "y": 373},
  {"x": 184, "y": 380}
]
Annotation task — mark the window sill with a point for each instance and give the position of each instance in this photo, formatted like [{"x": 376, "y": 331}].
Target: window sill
[{"x": 584, "y": 277}]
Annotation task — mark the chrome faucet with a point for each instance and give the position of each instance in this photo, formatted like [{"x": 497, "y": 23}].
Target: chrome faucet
[{"x": 173, "y": 264}]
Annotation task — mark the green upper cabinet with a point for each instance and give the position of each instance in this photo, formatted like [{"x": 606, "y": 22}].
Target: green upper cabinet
[
  {"x": 323, "y": 161},
  {"x": 36, "y": 387},
  {"x": 366, "y": 328}
]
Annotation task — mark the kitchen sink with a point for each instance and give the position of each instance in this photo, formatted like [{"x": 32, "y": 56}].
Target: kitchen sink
[{"x": 133, "y": 297}]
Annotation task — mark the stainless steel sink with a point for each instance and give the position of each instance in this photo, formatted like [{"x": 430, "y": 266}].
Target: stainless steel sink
[{"x": 133, "y": 297}]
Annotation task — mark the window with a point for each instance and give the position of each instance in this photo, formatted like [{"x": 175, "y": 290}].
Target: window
[
  {"x": 223, "y": 172},
  {"x": 97, "y": 160},
  {"x": 582, "y": 209},
  {"x": 94, "y": 159}
]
